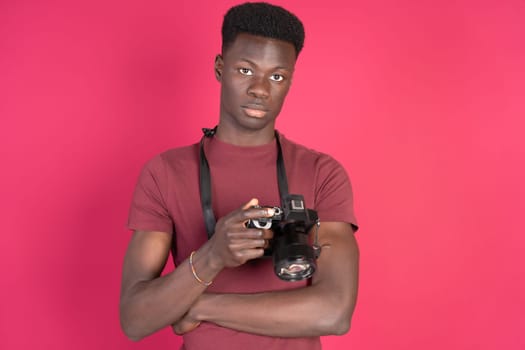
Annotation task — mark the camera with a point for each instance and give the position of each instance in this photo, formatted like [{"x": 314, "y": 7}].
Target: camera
[{"x": 293, "y": 256}]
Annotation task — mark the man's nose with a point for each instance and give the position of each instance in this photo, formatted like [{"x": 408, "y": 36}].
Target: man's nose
[{"x": 259, "y": 87}]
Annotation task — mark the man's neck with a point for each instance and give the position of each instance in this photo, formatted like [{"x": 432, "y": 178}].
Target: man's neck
[{"x": 244, "y": 137}]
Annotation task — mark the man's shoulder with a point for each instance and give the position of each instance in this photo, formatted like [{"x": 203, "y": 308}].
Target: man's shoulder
[
  {"x": 296, "y": 149},
  {"x": 180, "y": 153},
  {"x": 177, "y": 157}
]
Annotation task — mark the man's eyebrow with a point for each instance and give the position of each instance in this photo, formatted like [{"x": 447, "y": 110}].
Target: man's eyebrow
[
  {"x": 255, "y": 64},
  {"x": 249, "y": 61}
]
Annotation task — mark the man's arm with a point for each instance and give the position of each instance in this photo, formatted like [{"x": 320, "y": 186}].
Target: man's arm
[
  {"x": 323, "y": 308},
  {"x": 149, "y": 302}
]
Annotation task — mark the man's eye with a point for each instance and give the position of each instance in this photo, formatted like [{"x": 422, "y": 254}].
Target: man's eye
[
  {"x": 277, "y": 77},
  {"x": 245, "y": 71}
]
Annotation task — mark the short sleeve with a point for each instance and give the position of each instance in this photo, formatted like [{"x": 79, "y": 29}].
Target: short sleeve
[
  {"x": 334, "y": 195},
  {"x": 148, "y": 211}
]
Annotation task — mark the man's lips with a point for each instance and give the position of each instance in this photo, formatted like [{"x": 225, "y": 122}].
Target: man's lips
[{"x": 253, "y": 110}]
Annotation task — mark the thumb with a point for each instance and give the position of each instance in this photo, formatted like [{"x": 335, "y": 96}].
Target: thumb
[{"x": 251, "y": 203}]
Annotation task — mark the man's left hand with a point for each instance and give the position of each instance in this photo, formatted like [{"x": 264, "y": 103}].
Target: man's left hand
[{"x": 184, "y": 325}]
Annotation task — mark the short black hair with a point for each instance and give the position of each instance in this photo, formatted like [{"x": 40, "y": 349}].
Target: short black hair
[{"x": 262, "y": 19}]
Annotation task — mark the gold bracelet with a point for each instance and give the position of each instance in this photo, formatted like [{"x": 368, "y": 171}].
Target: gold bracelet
[{"x": 204, "y": 283}]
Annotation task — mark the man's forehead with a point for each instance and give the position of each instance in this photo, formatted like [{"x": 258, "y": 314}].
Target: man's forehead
[{"x": 253, "y": 47}]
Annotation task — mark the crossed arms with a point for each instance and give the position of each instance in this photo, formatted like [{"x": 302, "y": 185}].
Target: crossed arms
[{"x": 150, "y": 302}]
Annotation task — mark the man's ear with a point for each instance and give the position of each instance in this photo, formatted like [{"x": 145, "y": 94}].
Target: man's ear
[{"x": 219, "y": 66}]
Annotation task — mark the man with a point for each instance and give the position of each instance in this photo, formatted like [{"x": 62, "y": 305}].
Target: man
[{"x": 223, "y": 293}]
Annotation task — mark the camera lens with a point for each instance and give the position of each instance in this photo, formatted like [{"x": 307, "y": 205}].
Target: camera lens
[
  {"x": 293, "y": 257},
  {"x": 297, "y": 270}
]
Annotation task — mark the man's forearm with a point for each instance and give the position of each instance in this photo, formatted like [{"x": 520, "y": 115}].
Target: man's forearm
[
  {"x": 297, "y": 313},
  {"x": 323, "y": 308},
  {"x": 151, "y": 305}
]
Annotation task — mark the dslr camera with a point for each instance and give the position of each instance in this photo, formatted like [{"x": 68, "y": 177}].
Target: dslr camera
[{"x": 293, "y": 256}]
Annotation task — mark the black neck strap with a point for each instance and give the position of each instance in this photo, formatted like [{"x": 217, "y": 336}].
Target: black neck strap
[{"x": 205, "y": 181}]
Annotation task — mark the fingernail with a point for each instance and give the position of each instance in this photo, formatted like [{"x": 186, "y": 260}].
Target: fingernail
[{"x": 270, "y": 211}]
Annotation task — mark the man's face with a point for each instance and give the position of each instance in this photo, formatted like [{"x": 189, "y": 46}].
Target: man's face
[{"x": 255, "y": 73}]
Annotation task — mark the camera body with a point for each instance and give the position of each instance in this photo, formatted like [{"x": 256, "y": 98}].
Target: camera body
[{"x": 293, "y": 255}]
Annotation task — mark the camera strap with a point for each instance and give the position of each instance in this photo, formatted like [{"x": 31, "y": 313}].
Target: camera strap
[{"x": 205, "y": 180}]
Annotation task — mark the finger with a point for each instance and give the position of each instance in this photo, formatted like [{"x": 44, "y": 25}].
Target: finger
[
  {"x": 239, "y": 245},
  {"x": 256, "y": 213},
  {"x": 250, "y": 233},
  {"x": 267, "y": 234},
  {"x": 262, "y": 212},
  {"x": 251, "y": 203},
  {"x": 248, "y": 254},
  {"x": 246, "y": 233},
  {"x": 183, "y": 327}
]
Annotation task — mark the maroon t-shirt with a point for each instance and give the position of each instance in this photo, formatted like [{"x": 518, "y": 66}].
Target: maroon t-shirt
[{"x": 167, "y": 199}]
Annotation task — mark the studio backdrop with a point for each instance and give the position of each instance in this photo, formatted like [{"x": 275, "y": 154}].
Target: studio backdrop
[{"x": 421, "y": 101}]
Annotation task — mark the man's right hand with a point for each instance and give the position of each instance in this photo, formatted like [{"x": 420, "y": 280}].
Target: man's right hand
[{"x": 233, "y": 243}]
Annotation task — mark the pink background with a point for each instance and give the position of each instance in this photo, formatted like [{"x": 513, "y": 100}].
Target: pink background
[{"x": 422, "y": 101}]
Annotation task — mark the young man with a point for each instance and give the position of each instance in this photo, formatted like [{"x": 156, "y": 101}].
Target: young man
[{"x": 247, "y": 306}]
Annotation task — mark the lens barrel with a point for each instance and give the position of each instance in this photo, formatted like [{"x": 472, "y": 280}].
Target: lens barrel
[{"x": 293, "y": 256}]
